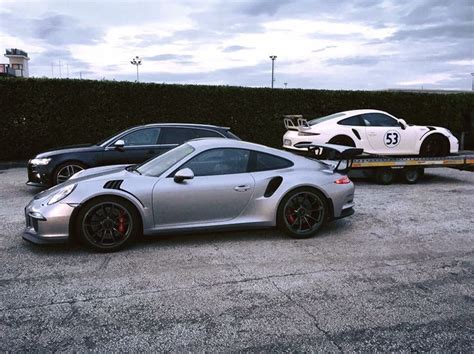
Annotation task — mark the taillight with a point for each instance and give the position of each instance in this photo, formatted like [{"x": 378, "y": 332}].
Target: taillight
[{"x": 343, "y": 180}]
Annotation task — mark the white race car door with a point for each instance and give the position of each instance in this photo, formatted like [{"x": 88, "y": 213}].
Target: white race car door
[
  {"x": 386, "y": 136},
  {"x": 220, "y": 190}
]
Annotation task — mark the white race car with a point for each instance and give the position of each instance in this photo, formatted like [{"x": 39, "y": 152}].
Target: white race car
[{"x": 376, "y": 132}]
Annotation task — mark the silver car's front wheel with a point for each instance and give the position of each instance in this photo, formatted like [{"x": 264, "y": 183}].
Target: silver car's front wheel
[
  {"x": 302, "y": 212},
  {"x": 107, "y": 224}
]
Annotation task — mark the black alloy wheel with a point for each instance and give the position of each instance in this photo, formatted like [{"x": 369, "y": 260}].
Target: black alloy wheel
[
  {"x": 302, "y": 213},
  {"x": 107, "y": 225}
]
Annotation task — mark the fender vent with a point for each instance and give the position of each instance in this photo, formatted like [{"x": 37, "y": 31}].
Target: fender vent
[
  {"x": 431, "y": 128},
  {"x": 113, "y": 184},
  {"x": 273, "y": 185},
  {"x": 356, "y": 133}
]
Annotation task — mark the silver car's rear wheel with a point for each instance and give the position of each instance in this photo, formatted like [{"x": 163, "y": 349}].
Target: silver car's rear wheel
[
  {"x": 107, "y": 225},
  {"x": 65, "y": 171},
  {"x": 302, "y": 213}
]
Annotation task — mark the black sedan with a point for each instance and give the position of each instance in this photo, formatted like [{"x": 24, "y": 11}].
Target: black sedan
[{"x": 132, "y": 146}]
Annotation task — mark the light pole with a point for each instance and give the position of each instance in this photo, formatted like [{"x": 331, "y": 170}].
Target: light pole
[
  {"x": 273, "y": 57},
  {"x": 136, "y": 61},
  {"x": 472, "y": 74}
]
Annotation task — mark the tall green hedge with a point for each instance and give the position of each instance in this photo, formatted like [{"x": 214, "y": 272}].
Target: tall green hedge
[{"x": 39, "y": 114}]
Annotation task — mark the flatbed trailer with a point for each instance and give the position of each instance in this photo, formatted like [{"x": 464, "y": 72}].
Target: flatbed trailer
[{"x": 384, "y": 169}]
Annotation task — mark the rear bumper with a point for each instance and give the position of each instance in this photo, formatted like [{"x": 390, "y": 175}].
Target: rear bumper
[{"x": 345, "y": 213}]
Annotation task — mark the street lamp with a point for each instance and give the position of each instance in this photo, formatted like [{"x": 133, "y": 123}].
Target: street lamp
[
  {"x": 472, "y": 74},
  {"x": 136, "y": 61},
  {"x": 273, "y": 57}
]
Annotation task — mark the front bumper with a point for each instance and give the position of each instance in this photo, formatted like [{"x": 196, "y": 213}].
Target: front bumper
[
  {"x": 46, "y": 224},
  {"x": 39, "y": 176}
]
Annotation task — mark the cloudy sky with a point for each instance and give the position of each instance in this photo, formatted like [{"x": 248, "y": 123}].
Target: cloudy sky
[{"x": 329, "y": 44}]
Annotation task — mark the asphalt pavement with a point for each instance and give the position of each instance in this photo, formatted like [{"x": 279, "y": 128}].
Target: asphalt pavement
[{"x": 397, "y": 275}]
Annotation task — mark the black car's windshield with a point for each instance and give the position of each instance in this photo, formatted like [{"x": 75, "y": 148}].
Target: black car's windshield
[
  {"x": 163, "y": 162},
  {"x": 325, "y": 118}
]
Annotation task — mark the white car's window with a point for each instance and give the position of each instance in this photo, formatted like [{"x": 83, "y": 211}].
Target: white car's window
[
  {"x": 163, "y": 162},
  {"x": 323, "y": 119},
  {"x": 355, "y": 121},
  {"x": 379, "y": 120},
  {"x": 219, "y": 162}
]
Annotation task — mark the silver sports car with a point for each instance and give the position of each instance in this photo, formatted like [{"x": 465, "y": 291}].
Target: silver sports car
[{"x": 203, "y": 184}]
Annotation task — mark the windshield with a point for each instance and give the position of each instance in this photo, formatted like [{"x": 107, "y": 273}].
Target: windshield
[
  {"x": 163, "y": 162},
  {"x": 110, "y": 137},
  {"x": 325, "y": 118}
]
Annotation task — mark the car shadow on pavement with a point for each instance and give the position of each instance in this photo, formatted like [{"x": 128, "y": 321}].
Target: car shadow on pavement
[{"x": 192, "y": 239}]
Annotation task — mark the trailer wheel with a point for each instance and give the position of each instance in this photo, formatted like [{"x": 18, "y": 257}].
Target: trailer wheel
[
  {"x": 411, "y": 175},
  {"x": 384, "y": 176}
]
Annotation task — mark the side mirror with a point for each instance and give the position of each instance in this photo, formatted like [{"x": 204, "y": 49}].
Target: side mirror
[
  {"x": 119, "y": 144},
  {"x": 402, "y": 124},
  {"x": 181, "y": 175}
]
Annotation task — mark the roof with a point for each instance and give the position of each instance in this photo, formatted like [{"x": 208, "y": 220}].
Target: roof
[
  {"x": 361, "y": 111},
  {"x": 193, "y": 125},
  {"x": 204, "y": 143}
]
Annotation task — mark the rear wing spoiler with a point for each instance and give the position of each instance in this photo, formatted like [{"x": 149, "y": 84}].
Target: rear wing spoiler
[
  {"x": 336, "y": 154},
  {"x": 301, "y": 123}
]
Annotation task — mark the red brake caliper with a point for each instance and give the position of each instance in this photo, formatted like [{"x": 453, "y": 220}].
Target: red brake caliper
[
  {"x": 291, "y": 217},
  {"x": 121, "y": 222}
]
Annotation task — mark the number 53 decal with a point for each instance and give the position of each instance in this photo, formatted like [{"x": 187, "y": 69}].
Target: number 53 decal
[{"x": 391, "y": 138}]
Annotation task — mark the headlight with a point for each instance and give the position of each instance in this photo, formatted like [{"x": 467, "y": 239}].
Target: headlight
[
  {"x": 61, "y": 194},
  {"x": 41, "y": 162}
]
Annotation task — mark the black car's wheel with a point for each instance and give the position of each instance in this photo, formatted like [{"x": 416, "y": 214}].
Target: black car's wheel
[
  {"x": 434, "y": 146},
  {"x": 107, "y": 223},
  {"x": 64, "y": 171},
  {"x": 302, "y": 212}
]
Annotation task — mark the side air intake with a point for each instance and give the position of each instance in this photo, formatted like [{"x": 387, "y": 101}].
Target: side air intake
[
  {"x": 272, "y": 186},
  {"x": 113, "y": 184}
]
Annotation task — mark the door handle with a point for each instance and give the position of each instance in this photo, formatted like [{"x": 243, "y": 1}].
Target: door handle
[
  {"x": 372, "y": 134},
  {"x": 244, "y": 188}
]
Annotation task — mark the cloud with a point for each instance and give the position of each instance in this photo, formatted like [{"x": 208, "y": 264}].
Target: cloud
[
  {"x": 173, "y": 57},
  {"x": 234, "y": 48},
  {"x": 324, "y": 48},
  {"x": 51, "y": 28},
  {"x": 356, "y": 61},
  {"x": 262, "y": 7}
]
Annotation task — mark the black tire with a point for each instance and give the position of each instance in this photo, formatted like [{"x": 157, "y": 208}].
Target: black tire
[
  {"x": 107, "y": 224},
  {"x": 384, "y": 176},
  {"x": 434, "y": 146},
  {"x": 342, "y": 140},
  {"x": 65, "y": 170},
  {"x": 411, "y": 175},
  {"x": 302, "y": 212}
]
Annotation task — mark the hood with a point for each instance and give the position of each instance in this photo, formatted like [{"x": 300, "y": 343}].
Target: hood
[
  {"x": 106, "y": 172},
  {"x": 97, "y": 171},
  {"x": 70, "y": 149}
]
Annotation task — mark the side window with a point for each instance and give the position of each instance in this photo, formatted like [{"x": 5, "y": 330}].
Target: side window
[
  {"x": 354, "y": 121},
  {"x": 266, "y": 162},
  {"x": 219, "y": 162},
  {"x": 379, "y": 120},
  {"x": 147, "y": 136},
  {"x": 176, "y": 135}
]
